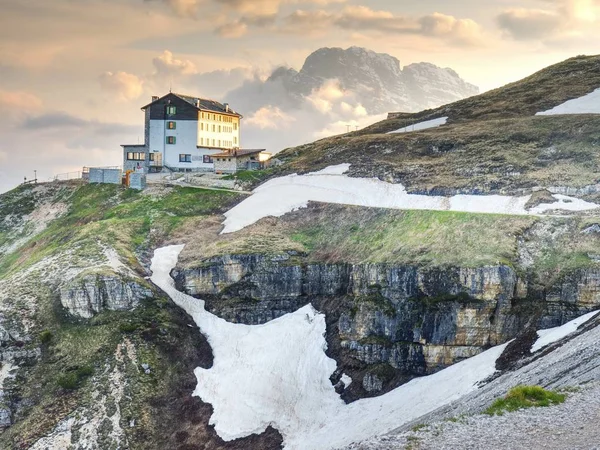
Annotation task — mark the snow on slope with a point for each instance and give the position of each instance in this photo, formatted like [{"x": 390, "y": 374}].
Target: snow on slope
[
  {"x": 552, "y": 335},
  {"x": 588, "y": 104},
  {"x": 278, "y": 374},
  {"x": 422, "y": 125},
  {"x": 281, "y": 195}
]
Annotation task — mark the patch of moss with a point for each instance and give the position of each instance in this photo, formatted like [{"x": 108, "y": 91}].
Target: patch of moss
[
  {"x": 73, "y": 378},
  {"x": 521, "y": 397},
  {"x": 377, "y": 301},
  {"x": 376, "y": 340}
]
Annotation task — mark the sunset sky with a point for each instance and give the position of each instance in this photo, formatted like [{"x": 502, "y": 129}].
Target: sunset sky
[{"x": 74, "y": 73}]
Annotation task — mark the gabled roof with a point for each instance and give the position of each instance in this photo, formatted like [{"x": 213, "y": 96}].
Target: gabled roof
[{"x": 205, "y": 104}]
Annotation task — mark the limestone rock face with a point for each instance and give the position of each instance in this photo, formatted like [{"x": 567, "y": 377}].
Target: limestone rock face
[
  {"x": 90, "y": 294},
  {"x": 415, "y": 320}
]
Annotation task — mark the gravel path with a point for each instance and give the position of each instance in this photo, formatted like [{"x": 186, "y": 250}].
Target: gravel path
[{"x": 573, "y": 425}]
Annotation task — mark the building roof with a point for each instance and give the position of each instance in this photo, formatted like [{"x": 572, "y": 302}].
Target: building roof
[
  {"x": 236, "y": 153},
  {"x": 204, "y": 105}
]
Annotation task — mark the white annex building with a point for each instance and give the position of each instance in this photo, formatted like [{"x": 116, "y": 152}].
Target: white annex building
[{"x": 182, "y": 133}]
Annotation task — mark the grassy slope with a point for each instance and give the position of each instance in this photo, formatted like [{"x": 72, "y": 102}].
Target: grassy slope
[
  {"x": 493, "y": 142},
  {"x": 335, "y": 233},
  {"x": 75, "y": 351}
]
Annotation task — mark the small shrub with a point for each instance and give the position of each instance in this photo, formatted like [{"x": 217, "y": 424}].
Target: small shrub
[
  {"x": 418, "y": 427},
  {"x": 128, "y": 327},
  {"x": 68, "y": 381},
  {"x": 521, "y": 397},
  {"x": 73, "y": 379},
  {"x": 46, "y": 336}
]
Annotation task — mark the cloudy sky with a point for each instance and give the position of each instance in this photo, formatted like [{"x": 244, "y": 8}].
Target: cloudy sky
[{"x": 74, "y": 73}]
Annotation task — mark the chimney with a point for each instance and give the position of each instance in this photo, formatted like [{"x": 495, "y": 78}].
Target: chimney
[
  {"x": 155, "y": 97},
  {"x": 226, "y": 107},
  {"x": 197, "y": 103}
]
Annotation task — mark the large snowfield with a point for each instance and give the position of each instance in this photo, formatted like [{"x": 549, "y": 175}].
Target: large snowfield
[
  {"x": 278, "y": 374},
  {"x": 588, "y": 104},
  {"x": 433, "y": 123},
  {"x": 281, "y": 195},
  {"x": 552, "y": 335}
]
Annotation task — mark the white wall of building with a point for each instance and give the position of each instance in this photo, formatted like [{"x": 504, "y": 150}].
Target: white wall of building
[
  {"x": 186, "y": 136},
  {"x": 192, "y": 138},
  {"x": 228, "y": 136}
]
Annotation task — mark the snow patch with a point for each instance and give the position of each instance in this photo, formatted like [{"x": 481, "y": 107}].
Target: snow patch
[
  {"x": 281, "y": 195},
  {"x": 278, "y": 374},
  {"x": 346, "y": 379},
  {"x": 422, "y": 125},
  {"x": 340, "y": 169},
  {"x": 588, "y": 104},
  {"x": 6, "y": 372},
  {"x": 552, "y": 335}
]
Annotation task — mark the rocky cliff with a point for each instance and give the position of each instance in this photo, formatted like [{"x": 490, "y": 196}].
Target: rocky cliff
[
  {"x": 92, "y": 293},
  {"x": 390, "y": 322}
]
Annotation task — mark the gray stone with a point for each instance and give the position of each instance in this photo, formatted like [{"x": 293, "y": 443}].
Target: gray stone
[
  {"x": 372, "y": 383},
  {"x": 92, "y": 293}
]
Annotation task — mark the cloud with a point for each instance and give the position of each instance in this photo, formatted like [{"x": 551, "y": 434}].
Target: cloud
[
  {"x": 12, "y": 100},
  {"x": 270, "y": 117},
  {"x": 301, "y": 21},
  {"x": 182, "y": 8},
  {"x": 232, "y": 30},
  {"x": 125, "y": 85},
  {"x": 56, "y": 142},
  {"x": 251, "y": 10},
  {"x": 566, "y": 20},
  {"x": 52, "y": 120},
  {"x": 524, "y": 24},
  {"x": 14, "y": 105},
  {"x": 167, "y": 67},
  {"x": 459, "y": 32}
]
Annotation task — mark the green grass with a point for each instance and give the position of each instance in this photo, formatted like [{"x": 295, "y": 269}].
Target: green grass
[
  {"x": 418, "y": 237},
  {"x": 248, "y": 175},
  {"x": 117, "y": 217},
  {"x": 75, "y": 377},
  {"x": 509, "y": 154},
  {"x": 521, "y": 397}
]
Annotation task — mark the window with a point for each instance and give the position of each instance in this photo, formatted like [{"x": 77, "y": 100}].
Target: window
[
  {"x": 206, "y": 159},
  {"x": 219, "y": 128},
  {"x": 136, "y": 156},
  {"x": 171, "y": 125},
  {"x": 201, "y": 127},
  {"x": 219, "y": 142},
  {"x": 185, "y": 158},
  {"x": 214, "y": 127},
  {"x": 152, "y": 156},
  {"x": 171, "y": 110},
  {"x": 201, "y": 141},
  {"x": 235, "y": 140},
  {"x": 235, "y": 126},
  {"x": 203, "y": 115},
  {"x": 213, "y": 142},
  {"x": 171, "y": 140}
]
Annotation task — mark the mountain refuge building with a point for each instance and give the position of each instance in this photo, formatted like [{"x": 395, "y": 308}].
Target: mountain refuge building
[{"x": 184, "y": 134}]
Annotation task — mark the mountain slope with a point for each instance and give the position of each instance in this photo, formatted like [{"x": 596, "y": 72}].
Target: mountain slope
[
  {"x": 491, "y": 143},
  {"x": 366, "y": 299}
]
